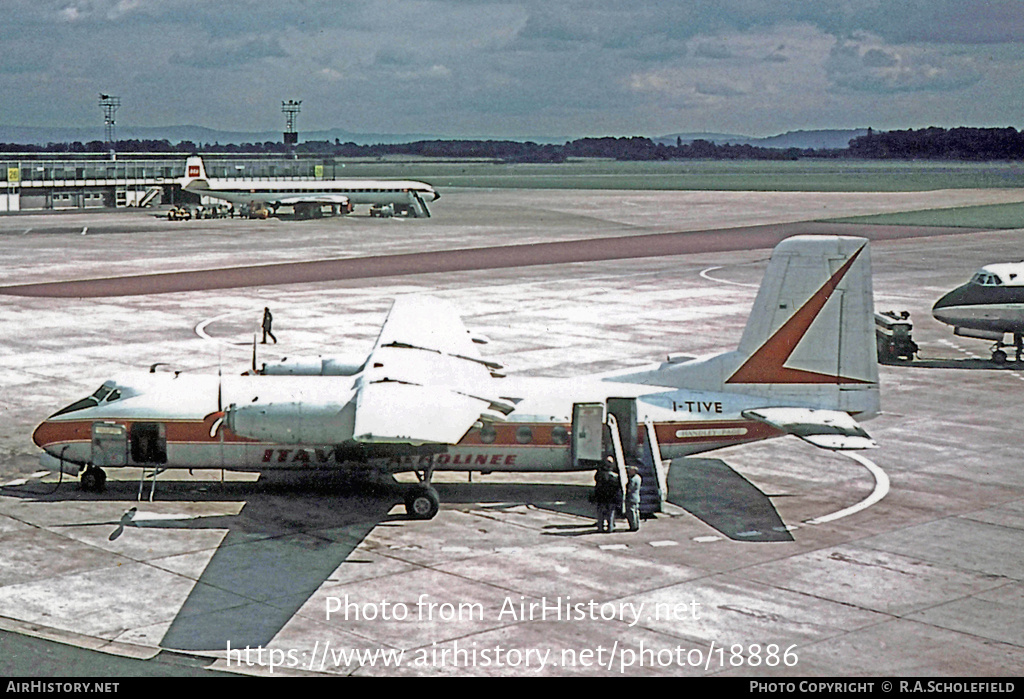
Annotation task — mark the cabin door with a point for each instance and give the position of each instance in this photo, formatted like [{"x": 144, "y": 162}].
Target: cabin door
[
  {"x": 587, "y": 433},
  {"x": 109, "y": 444}
]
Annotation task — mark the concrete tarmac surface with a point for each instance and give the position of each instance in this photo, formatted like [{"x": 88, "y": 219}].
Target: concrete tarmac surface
[{"x": 317, "y": 575}]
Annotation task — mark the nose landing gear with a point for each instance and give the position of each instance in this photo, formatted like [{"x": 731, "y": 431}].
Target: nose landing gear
[{"x": 999, "y": 356}]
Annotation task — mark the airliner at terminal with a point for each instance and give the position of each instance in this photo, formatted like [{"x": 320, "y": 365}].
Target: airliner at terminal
[{"x": 308, "y": 196}]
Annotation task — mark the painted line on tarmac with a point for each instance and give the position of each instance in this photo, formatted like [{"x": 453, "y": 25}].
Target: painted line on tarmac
[
  {"x": 200, "y": 328},
  {"x": 26, "y": 479},
  {"x": 880, "y": 491},
  {"x": 704, "y": 275},
  {"x": 973, "y": 355}
]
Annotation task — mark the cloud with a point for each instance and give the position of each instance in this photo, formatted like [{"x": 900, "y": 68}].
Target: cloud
[
  {"x": 520, "y": 67},
  {"x": 228, "y": 53},
  {"x": 971, "y": 22},
  {"x": 717, "y": 51},
  {"x": 719, "y": 89},
  {"x": 865, "y": 64}
]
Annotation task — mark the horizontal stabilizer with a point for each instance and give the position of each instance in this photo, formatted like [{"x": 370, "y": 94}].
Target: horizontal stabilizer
[{"x": 828, "y": 429}]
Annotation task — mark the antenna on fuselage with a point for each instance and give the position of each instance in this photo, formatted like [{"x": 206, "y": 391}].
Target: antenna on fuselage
[{"x": 220, "y": 382}]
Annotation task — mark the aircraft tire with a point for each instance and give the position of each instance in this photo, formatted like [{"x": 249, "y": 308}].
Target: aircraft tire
[
  {"x": 94, "y": 479},
  {"x": 422, "y": 503}
]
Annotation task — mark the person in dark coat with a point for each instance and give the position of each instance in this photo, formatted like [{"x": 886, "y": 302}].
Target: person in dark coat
[
  {"x": 268, "y": 321},
  {"x": 607, "y": 495},
  {"x": 633, "y": 498}
]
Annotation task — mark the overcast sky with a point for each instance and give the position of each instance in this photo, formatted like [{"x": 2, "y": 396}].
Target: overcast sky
[{"x": 516, "y": 69}]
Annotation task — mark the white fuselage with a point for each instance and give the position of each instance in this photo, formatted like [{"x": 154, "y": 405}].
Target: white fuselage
[
  {"x": 533, "y": 438},
  {"x": 289, "y": 192}
]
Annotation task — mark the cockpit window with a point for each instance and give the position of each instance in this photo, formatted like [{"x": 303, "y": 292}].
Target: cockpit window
[
  {"x": 987, "y": 279},
  {"x": 103, "y": 393}
]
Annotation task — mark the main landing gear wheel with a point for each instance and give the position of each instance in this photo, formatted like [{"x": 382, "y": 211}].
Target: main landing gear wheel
[
  {"x": 94, "y": 479},
  {"x": 422, "y": 502}
]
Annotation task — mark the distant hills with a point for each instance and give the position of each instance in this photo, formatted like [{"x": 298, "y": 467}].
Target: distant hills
[
  {"x": 41, "y": 135},
  {"x": 818, "y": 139}
]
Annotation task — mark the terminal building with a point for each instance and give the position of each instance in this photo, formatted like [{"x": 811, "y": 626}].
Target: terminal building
[{"x": 38, "y": 181}]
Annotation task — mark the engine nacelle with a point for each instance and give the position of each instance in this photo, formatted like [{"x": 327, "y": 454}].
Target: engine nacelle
[
  {"x": 294, "y": 422},
  {"x": 331, "y": 365}
]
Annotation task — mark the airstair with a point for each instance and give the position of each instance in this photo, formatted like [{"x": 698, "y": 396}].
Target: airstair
[
  {"x": 653, "y": 473},
  {"x": 150, "y": 194},
  {"x": 629, "y": 442}
]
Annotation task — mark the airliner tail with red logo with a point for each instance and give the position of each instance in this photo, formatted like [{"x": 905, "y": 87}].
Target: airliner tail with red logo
[{"x": 809, "y": 340}]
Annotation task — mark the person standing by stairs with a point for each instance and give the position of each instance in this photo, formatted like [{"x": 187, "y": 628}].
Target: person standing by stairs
[{"x": 633, "y": 484}]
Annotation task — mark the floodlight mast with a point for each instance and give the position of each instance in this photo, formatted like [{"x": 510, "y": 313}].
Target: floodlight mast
[
  {"x": 109, "y": 105},
  {"x": 291, "y": 110}
]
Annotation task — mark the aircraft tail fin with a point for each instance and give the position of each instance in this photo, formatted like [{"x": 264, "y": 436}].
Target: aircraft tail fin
[
  {"x": 810, "y": 338},
  {"x": 195, "y": 173}
]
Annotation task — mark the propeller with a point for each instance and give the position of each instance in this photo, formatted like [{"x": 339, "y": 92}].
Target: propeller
[{"x": 220, "y": 402}]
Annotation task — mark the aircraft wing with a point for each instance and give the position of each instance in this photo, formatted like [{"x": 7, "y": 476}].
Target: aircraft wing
[
  {"x": 313, "y": 198},
  {"x": 424, "y": 381},
  {"x": 828, "y": 429}
]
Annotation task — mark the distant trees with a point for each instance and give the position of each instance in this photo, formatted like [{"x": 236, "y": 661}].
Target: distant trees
[
  {"x": 931, "y": 143},
  {"x": 941, "y": 144}
]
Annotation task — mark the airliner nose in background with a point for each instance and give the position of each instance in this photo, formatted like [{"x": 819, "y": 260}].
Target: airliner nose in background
[
  {"x": 407, "y": 197},
  {"x": 988, "y": 307}
]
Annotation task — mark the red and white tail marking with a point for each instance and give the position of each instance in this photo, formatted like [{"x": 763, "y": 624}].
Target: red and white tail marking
[{"x": 768, "y": 363}]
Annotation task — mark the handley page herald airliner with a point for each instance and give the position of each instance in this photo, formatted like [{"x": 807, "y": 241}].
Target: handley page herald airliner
[{"x": 424, "y": 399}]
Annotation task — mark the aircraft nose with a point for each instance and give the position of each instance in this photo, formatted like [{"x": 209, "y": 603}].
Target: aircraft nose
[
  {"x": 938, "y": 310},
  {"x": 943, "y": 308},
  {"x": 51, "y": 434},
  {"x": 40, "y": 435},
  {"x": 944, "y": 302},
  {"x": 47, "y": 436}
]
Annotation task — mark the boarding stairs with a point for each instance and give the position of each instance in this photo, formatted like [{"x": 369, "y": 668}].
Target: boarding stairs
[
  {"x": 636, "y": 444},
  {"x": 653, "y": 473},
  {"x": 150, "y": 194}
]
